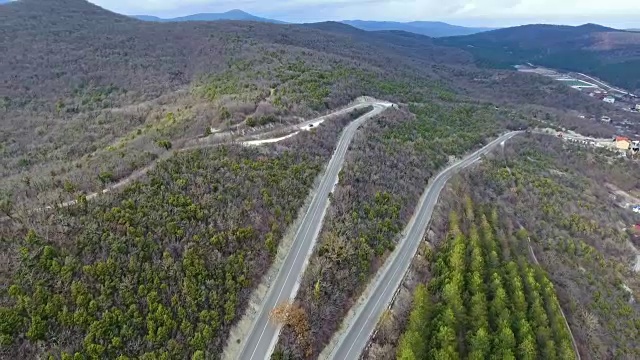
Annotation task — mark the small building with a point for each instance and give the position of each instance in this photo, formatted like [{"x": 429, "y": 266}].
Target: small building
[
  {"x": 635, "y": 146},
  {"x": 622, "y": 142},
  {"x": 609, "y": 99},
  {"x": 636, "y": 209},
  {"x": 638, "y": 107}
]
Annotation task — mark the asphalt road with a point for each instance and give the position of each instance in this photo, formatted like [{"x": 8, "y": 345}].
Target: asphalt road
[
  {"x": 263, "y": 335},
  {"x": 141, "y": 172},
  {"x": 356, "y": 336},
  {"x": 608, "y": 87}
]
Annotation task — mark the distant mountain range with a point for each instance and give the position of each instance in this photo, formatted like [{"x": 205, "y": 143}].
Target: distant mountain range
[
  {"x": 229, "y": 15},
  {"x": 611, "y": 54},
  {"x": 428, "y": 28}
]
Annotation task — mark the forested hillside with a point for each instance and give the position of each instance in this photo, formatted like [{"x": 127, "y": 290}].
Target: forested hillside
[
  {"x": 162, "y": 269},
  {"x": 385, "y": 173},
  {"x": 485, "y": 300},
  {"x": 610, "y": 54},
  {"x": 85, "y": 92},
  {"x": 562, "y": 195},
  {"x": 556, "y": 198}
]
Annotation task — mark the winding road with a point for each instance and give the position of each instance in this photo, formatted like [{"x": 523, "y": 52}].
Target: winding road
[
  {"x": 263, "y": 335},
  {"x": 607, "y": 86},
  {"x": 357, "y": 330},
  {"x": 360, "y": 103}
]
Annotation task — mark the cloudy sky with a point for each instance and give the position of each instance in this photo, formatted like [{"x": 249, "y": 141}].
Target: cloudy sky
[{"x": 618, "y": 13}]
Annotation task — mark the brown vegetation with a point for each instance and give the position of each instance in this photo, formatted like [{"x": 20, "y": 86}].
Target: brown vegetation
[
  {"x": 385, "y": 173},
  {"x": 164, "y": 267},
  {"x": 558, "y": 193}
]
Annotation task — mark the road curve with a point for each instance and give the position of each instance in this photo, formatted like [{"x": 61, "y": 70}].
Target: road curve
[
  {"x": 611, "y": 88},
  {"x": 377, "y": 297},
  {"x": 143, "y": 171},
  {"x": 263, "y": 335}
]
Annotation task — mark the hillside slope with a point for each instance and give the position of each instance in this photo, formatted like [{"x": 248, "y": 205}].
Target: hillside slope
[
  {"x": 558, "y": 214},
  {"x": 610, "y": 54},
  {"x": 87, "y": 95},
  {"x": 579, "y": 231},
  {"x": 100, "y": 90},
  {"x": 164, "y": 267},
  {"x": 80, "y": 42}
]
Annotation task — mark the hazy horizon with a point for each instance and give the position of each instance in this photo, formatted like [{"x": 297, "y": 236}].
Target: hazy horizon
[
  {"x": 476, "y": 13},
  {"x": 623, "y": 14}
]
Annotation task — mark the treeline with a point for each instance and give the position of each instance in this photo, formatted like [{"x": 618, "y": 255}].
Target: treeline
[
  {"x": 102, "y": 100},
  {"x": 568, "y": 197},
  {"x": 386, "y": 170},
  {"x": 559, "y": 193},
  {"x": 161, "y": 270},
  {"x": 485, "y": 300}
]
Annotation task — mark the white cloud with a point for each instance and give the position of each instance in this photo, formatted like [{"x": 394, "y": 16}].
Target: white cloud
[{"x": 400, "y": 10}]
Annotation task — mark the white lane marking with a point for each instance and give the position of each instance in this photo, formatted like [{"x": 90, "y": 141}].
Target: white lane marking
[
  {"x": 430, "y": 202},
  {"x": 278, "y": 275},
  {"x": 294, "y": 261},
  {"x": 323, "y": 185},
  {"x": 374, "y": 307}
]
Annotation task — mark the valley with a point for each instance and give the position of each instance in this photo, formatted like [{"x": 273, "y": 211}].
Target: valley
[
  {"x": 599, "y": 51},
  {"x": 225, "y": 186}
]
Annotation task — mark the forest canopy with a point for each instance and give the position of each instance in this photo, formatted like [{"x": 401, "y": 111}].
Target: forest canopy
[{"x": 485, "y": 301}]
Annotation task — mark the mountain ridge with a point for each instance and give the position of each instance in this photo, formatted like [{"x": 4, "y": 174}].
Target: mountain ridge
[
  {"x": 166, "y": 266},
  {"x": 611, "y": 54},
  {"x": 234, "y": 14},
  {"x": 428, "y": 28}
]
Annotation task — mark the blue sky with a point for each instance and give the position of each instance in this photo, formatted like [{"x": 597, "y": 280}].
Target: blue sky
[{"x": 618, "y": 13}]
